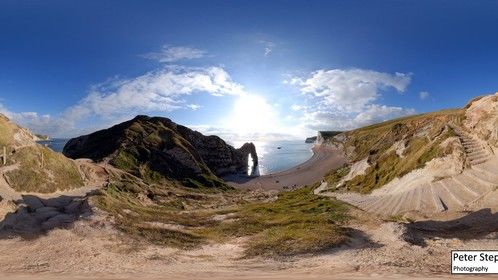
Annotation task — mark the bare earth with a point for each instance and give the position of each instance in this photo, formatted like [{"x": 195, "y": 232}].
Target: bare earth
[
  {"x": 92, "y": 249},
  {"x": 323, "y": 160}
]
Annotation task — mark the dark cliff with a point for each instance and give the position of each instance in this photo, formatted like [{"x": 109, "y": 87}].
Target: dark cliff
[{"x": 155, "y": 148}]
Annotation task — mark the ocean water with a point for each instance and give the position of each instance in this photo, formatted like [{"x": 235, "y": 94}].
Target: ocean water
[
  {"x": 55, "y": 144},
  {"x": 272, "y": 159}
]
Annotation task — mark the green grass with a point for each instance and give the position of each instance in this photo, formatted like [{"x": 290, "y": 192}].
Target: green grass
[
  {"x": 389, "y": 165},
  {"x": 399, "y": 219},
  {"x": 375, "y": 139},
  {"x": 42, "y": 170},
  {"x": 125, "y": 161},
  {"x": 423, "y": 135},
  {"x": 296, "y": 222},
  {"x": 335, "y": 176},
  {"x": 327, "y": 135}
]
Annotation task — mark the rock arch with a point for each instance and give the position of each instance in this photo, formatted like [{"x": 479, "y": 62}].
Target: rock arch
[{"x": 246, "y": 150}]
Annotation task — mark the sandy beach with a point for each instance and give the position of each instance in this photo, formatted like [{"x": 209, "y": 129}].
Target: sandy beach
[{"x": 323, "y": 160}]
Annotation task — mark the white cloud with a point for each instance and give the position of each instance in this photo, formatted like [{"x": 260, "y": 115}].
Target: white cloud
[
  {"x": 44, "y": 124},
  {"x": 296, "y": 107},
  {"x": 268, "y": 47},
  {"x": 117, "y": 100},
  {"x": 172, "y": 54},
  {"x": 267, "y": 51},
  {"x": 154, "y": 91},
  {"x": 378, "y": 113},
  {"x": 349, "y": 90},
  {"x": 194, "y": 107},
  {"x": 330, "y": 120},
  {"x": 347, "y": 99},
  {"x": 423, "y": 95}
]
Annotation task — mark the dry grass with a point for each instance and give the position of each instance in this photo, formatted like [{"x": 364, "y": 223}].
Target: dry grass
[
  {"x": 42, "y": 170},
  {"x": 6, "y": 133},
  {"x": 422, "y": 134},
  {"x": 297, "y": 222},
  {"x": 375, "y": 139}
]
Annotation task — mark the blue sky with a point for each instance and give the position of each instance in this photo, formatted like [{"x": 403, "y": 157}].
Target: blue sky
[{"x": 241, "y": 69}]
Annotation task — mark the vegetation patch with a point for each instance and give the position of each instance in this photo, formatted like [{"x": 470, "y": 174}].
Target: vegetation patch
[
  {"x": 296, "y": 222},
  {"x": 42, "y": 170},
  {"x": 327, "y": 135},
  {"x": 372, "y": 141},
  {"x": 423, "y": 135},
  {"x": 334, "y": 177},
  {"x": 7, "y": 133}
]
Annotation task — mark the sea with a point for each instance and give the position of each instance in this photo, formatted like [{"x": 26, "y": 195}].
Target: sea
[
  {"x": 273, "y": 156},
  {"x": 56, "y": 144},
  {"x": 276, "y": 156}
]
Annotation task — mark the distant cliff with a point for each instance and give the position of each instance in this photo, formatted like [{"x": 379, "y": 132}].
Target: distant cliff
[
  {"x": 42, "y": 137},
  {"x": 155, "y": 148},
  {"x": 310, "y": 139},
  {"x": 324, "y": 136}
]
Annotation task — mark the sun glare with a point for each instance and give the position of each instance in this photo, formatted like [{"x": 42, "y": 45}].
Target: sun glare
[{"x": 252, "y": 114}]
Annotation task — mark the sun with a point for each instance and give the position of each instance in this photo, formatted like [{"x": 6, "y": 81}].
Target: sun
[{"x": 252, "y": 115}]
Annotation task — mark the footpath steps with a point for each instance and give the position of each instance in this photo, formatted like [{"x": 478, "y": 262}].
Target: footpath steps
[
  {"x": 448, "y": 194},
  {"x": 476, "y": 152},
  {"x": 454, "y": 193}
]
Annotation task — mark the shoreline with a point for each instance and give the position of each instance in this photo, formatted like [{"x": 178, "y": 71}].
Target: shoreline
[{"x": 321, "y": 162}]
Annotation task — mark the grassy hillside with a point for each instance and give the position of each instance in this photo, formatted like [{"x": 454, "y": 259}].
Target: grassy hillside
[
  {"x": 158, "y": 150},
  {"x": 42, "y": 170},
  {"x": 38, "y": 168},
  {"x": 421, "y": 135},
  {"x": 6, "y": 132}
]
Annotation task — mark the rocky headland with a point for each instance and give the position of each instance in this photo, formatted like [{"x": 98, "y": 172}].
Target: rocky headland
[
  {"x": 155, "y": 147},
  {"x": 310, "y": 139}
]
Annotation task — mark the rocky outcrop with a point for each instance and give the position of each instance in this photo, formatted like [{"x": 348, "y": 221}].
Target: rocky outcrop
[
  {"x": 481, "y": 118},
  {"x": 153, "y": 147},
  {"x": 324, "y": 136},
  {"x": 311, "y": 139}
]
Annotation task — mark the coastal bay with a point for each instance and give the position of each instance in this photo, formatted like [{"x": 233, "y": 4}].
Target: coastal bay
[{"x": 323, "y": 160}]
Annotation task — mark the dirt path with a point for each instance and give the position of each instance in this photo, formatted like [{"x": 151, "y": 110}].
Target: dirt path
[
  {"x": 323, "y": 160},
  {"x": 6, "y": 192}
]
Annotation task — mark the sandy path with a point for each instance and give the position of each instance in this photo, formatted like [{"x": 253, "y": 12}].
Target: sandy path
[
  {"x": 6, "y": 192},
  {"x": 323, "y": 161}
]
